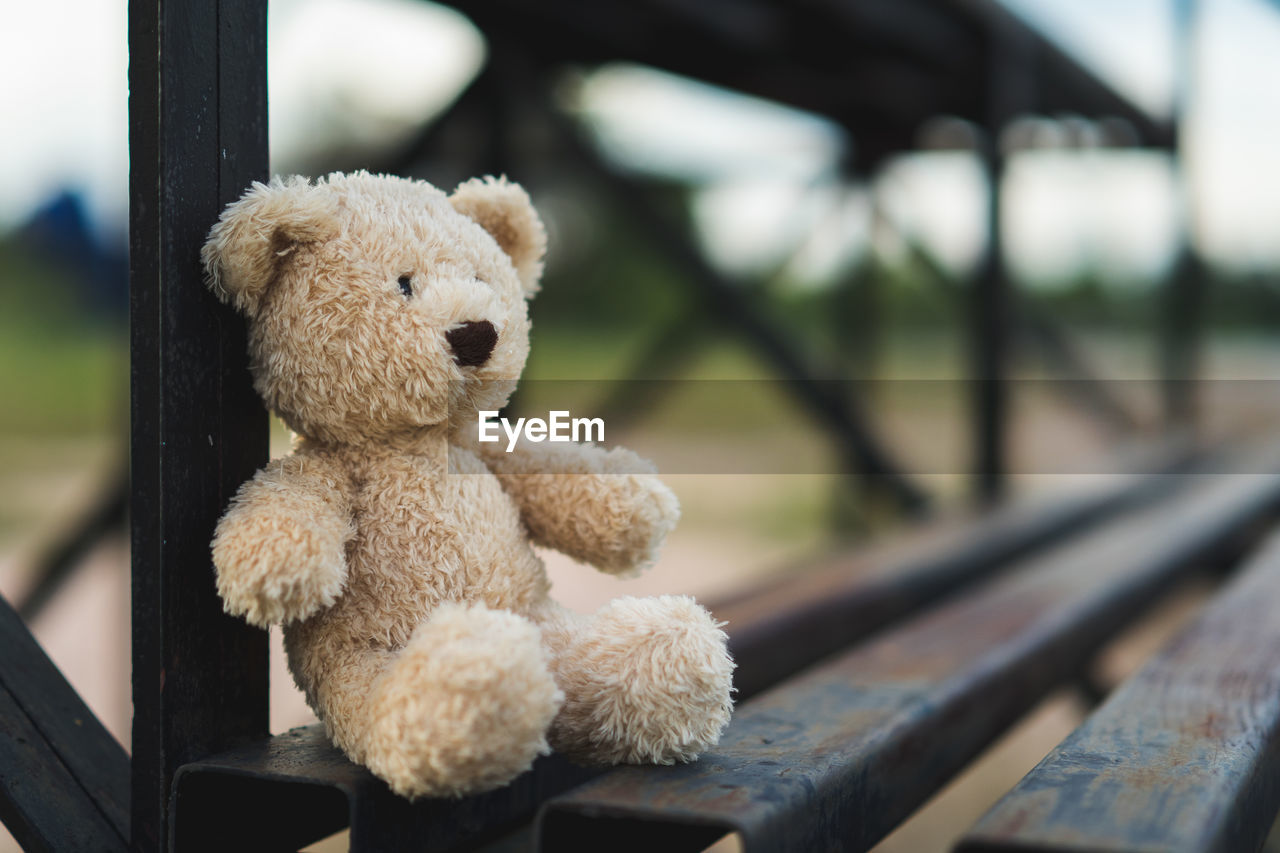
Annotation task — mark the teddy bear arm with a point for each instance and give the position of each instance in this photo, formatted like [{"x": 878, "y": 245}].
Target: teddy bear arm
[
  {"x": 279, "y": 551},
  {"x": 602, "y": 507}
]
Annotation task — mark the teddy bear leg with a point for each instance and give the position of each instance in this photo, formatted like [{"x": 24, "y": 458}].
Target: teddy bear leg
[
  {"x": 463, "y": 707},
  {"x": 646, "y": 680}
]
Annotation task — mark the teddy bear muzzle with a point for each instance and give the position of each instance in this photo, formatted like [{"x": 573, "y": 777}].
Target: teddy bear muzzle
[{"x": 472, "y": 343}]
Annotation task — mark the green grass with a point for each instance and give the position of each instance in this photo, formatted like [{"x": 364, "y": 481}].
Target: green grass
[
  {"x": 62, "y": 373},
  {"x": 61, "y": 385}
]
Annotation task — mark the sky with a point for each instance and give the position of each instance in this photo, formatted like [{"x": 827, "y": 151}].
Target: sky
[{"x": 767, "y": 171}]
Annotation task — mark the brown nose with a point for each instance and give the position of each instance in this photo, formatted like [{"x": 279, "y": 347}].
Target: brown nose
[{"x": 472, "y": 343}]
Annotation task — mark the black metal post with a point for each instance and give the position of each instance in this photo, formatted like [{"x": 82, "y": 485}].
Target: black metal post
[
  {"x": 1185, "y": 293},
  {"x": 1010, "y": 87},
  {"x": 858, "y": 308},
  {"x": 1182, "y": 334},
  {"x": 64, "y": 780},
  {"x": 989, "y": 331},
  {"x": 197, "y": 137}
]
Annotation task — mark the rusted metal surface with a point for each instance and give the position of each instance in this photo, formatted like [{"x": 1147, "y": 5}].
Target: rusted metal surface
[
  {"x": 778, "y": 628},
  {"x": 834, "y": 759},
  {"x": 1181, "y": 758},
  {"x": 295, "y": 788}
]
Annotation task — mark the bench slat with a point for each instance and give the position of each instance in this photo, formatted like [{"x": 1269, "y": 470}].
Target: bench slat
[
  {"x": 1181, "y": 758},
  {"x": 778, "y": 628},
  {"x": 836, "y": 758}
]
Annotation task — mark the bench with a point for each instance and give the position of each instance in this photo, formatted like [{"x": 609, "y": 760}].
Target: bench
[
  {"x": 985, "y": 617},
  {"x": 837, "y": 756},
  {"x": 1183, "y": 756},
  {"x": 865, "y": 683},
  {"x": 846, "y": 598}
]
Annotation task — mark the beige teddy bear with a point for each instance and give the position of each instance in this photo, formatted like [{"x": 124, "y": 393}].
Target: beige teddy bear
[{"x": 395, "y": 548}]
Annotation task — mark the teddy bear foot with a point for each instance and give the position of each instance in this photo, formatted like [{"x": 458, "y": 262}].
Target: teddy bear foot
[
  {"x": 464, "y": 707},
  {"x": 647, "y": 680}
]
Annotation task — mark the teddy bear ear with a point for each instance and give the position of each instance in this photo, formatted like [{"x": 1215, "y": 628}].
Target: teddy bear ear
[
  {"x": 503, "y": 209},
  {"x": 251, "y": 238}
]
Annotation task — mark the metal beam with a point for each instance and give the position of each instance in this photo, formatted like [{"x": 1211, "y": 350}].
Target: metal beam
[
  {"x": 1186, "y": 293},
  {"x": 197, "y": 137},
  {"x": 64, "y": 780},
  {"x": 880, "y": 69},
  {"x": 989, "y": 333},
  {"x": 1063, "y": 84},
  {"x": 1182, "y": 757},
  {"x": 295, "y": 788}
]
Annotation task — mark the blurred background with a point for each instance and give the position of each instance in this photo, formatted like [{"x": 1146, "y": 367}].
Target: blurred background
[{"x": 1011, "y": 233}]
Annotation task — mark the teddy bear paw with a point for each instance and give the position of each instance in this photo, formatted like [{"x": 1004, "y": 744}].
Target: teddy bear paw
[
  {"x": 648, "y": 681},
  {"x": 465, "y": 707},
  {"x": 278, "y": 577}
]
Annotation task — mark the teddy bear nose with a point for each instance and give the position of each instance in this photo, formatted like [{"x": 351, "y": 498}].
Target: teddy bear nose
[{"x": 472, "y": 343}]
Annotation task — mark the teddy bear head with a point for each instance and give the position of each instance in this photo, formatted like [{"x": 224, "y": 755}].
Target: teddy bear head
[{"x": 379, "y": 306}]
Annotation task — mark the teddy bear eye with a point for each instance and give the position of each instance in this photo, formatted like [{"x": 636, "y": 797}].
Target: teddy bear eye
[{"x": 406, "y": 284}]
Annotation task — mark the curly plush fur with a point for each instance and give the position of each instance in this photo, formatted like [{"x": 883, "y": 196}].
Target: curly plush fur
[{"x": 396, "y": 550}]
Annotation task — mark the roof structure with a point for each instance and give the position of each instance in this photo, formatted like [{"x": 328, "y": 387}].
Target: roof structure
[{"x": 881, "y": 69}]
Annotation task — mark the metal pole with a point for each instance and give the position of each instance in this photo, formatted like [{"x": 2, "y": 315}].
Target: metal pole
[
  {"x": 989, "y": 330},
  {"x": 1182, "y": 329},
  {"x": 197, "y": 137},
  {"x": 1010, "y": 82}
]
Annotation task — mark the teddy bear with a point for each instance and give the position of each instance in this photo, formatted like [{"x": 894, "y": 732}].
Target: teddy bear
[{"x": 395, "y": 548}]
